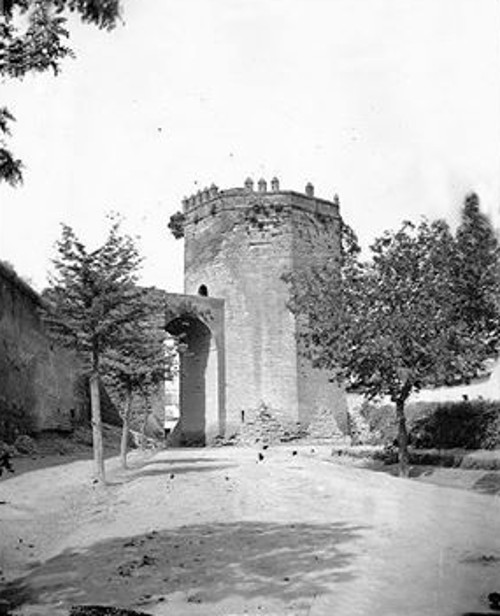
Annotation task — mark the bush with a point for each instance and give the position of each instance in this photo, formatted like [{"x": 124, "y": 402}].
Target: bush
[
  {"x": 467, "y": 425},
  {"x": 387, "y": 455},
  {"x": 83, "y": 436},
  {"x": 381, "y": 420},
  {"x": 24, "y": 444},
  {"x": 15, "y": 420}
]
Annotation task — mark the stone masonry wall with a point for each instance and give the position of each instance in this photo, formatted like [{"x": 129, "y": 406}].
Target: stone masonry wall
[
  {"x": 238, "y": 244},
  {"x": 316, "y": 242},
  {"x": 238, "y": 247},
  {"x": 38, "y": 382}
]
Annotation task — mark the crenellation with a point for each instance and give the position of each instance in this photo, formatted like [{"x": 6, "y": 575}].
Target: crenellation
[{"x": 211, "y": 201}]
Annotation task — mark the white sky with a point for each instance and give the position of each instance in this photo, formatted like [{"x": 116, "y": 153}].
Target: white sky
[{"x": 394, "y": 104}]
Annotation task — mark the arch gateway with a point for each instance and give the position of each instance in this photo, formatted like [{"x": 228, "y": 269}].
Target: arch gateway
[{"x": 239, "y": 348}]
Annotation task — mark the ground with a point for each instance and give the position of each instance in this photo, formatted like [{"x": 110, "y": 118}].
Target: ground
[{"x": 220, "y": 532}]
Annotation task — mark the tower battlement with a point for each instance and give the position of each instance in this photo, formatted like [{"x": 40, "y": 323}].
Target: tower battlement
[{"x": 211, "y": 200}]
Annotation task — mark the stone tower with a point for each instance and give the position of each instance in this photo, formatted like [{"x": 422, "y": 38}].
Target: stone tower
[{"x": 238, "y": 244}]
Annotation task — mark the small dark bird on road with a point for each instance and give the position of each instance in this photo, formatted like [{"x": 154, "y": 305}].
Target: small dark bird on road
[
  {"x": 294, "y": 452},
  {"x": 261, "y": 457},
  {"x": 265, "y": 446},
  {"x": 172, "y": 476}
]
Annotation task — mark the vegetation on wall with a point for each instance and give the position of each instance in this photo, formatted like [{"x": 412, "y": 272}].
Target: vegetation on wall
[{"x": 176, "y": 225}]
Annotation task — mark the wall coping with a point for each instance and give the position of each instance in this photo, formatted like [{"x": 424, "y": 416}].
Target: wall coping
[{"x": 12, "y": 277}]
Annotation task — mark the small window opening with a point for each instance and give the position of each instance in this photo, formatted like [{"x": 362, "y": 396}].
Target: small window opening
[
  {"x": 242, "y": 416},
  {"x": 203, "y": 291}
]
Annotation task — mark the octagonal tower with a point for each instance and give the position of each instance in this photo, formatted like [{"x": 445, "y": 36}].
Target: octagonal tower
[{"x": 238, "y": 244}]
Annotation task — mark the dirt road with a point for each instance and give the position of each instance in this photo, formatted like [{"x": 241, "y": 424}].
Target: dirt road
[{"x": 217, "y": 532}]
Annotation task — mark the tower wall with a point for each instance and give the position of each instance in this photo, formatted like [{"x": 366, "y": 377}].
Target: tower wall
[
  {"x": 316, "y": 241},
  {"x": 238, "y": 244}
]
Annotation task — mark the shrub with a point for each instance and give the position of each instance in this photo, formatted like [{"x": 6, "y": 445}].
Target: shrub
[
  {"x": 431, "y": 425},
  {"x": 467, "y": 425},
  {"x": 381, "y": 420},
  {"x": 26, "y": 445},
  {"x": 15, "y": 420}
]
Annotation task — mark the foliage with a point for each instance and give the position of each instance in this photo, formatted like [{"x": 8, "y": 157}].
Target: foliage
[
  {"x": 92, "y": 295},
  {"x": 15, "y": 419},
  {"x": 33, "y": 38},
  {"x": 92, "y": 299},
  {"x": 383, "y": 327},
  {"x": 477, "y": 275},
  {"x": 33, "y": 33},
  {"x": 140, "y": 362},
  {"x": 10, "y": 167},
  {"x": 176, "y": 225},
  {"x": 395, "y": 324},
  {"x": 468, "y": 425},
  {"x": 439, "y": 425}
]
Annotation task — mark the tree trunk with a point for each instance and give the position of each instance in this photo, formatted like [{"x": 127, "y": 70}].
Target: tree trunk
[
  {"x": 402, "y": 439},
  {"x": 95, "y": 405},
  {"x": 144, "y": 422},
  {"x": 125, "y": 429}
]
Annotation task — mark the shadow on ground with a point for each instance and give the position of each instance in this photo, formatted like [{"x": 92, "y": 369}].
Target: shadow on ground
[
  {"x": 489, "y": 483},
  {"x": 165, "y": 460},
  {"x": 28, "y": 464},
  {"x": 169, "y": 471},
  {"x": 209, "y": 562}
]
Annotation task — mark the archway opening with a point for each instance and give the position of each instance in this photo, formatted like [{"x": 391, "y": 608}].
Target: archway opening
[
  {"x": 198, "y": 396},
  {"x": 172, "y": 402}
]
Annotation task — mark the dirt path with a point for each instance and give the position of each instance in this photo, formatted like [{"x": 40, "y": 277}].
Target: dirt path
[{"x": 215, "y": 532}]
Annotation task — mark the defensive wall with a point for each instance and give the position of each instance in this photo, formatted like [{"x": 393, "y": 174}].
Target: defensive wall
[{"x": 39, "y": 384}]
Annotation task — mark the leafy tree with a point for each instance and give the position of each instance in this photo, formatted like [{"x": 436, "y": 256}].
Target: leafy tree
[
  {"x": 139, "y": 362},
  {"x": 33, "y": 38},
  {"x": 477, "y": 274},
  {"x": 92, "y": 298},
  {"x": 388, "y": 326}
]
